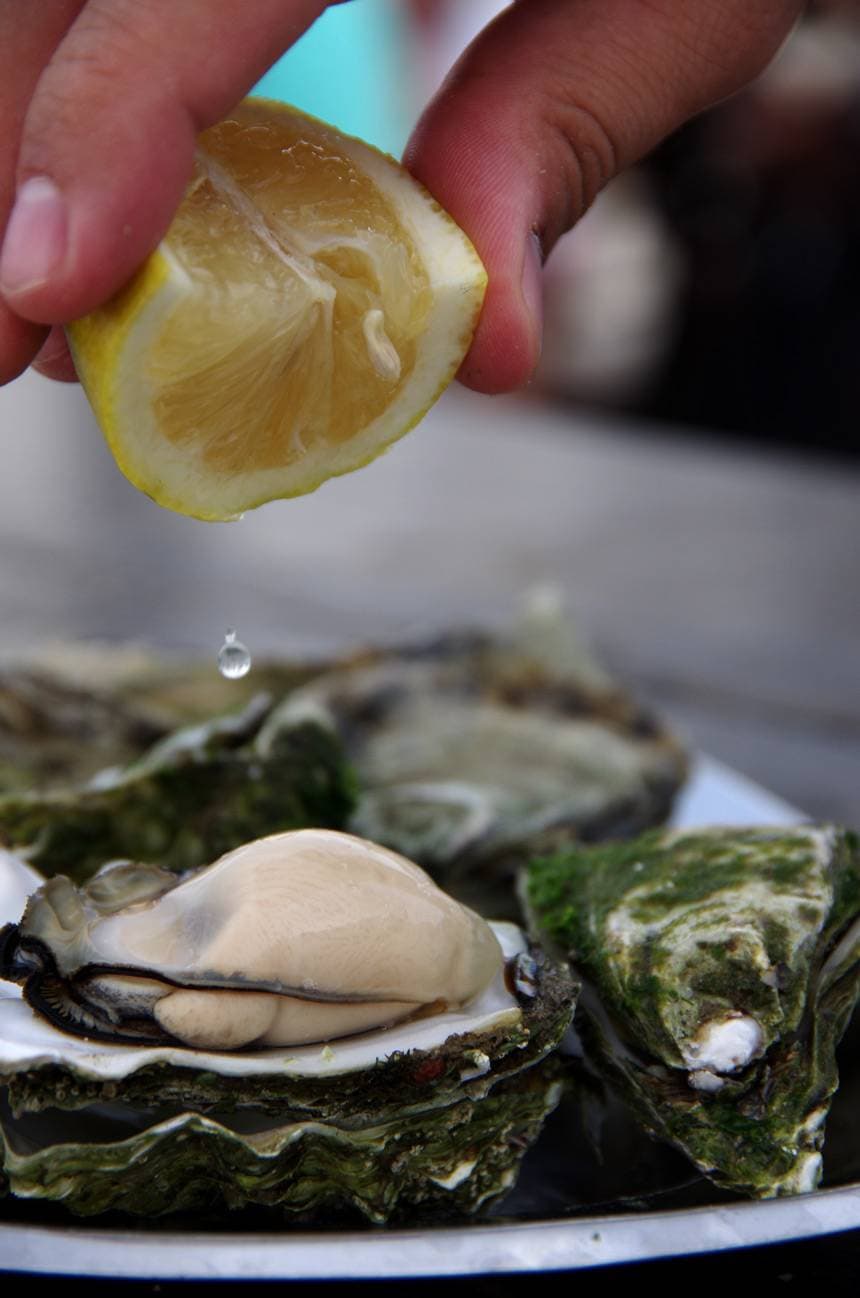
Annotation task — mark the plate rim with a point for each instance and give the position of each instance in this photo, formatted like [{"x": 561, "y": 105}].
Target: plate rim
[{"x": 468, "y": 1249}]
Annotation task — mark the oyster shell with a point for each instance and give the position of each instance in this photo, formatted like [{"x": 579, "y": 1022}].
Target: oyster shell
[
  {"x": 298, "y": 937},
  {"x": 78, "y": 708},
  {"x": 720, "y": 970},
  {"x": 432, "y": 1114},
  {"x": 425, "y": 1164},
  {"x": 51, "y": 729},
  {"x": 476, "y": 752},
  {"x": 194, "y": 795}
]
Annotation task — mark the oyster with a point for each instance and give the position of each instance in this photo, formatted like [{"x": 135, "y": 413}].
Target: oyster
[
  {"x": 720, "y": 970},
  {"x": 475, "y": 753},
  {"x": 192, "y": 796},
  {"x": 299, "y": 937},
  {"x": 51, "y": 729},
  {"x": 431, "y": 1114},
  {"x": 83, "y": 707}
]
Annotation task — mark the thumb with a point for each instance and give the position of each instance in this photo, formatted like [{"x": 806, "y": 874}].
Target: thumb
[{"x": 548, "y": 104}]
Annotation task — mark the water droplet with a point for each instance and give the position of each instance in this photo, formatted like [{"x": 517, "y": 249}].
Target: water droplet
[{"x": 234, "y": 660}]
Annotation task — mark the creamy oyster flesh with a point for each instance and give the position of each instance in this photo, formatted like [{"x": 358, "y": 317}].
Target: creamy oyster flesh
[
  {"x": 297, "y": 937},
  {"x": 722, "y": 968},
  {"x": 225, "y": 1020}
]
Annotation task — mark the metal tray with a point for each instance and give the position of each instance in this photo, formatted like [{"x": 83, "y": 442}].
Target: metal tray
[{"x": 572, "y": 1208}]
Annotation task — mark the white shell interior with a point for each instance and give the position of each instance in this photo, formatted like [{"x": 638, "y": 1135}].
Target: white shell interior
[
  {"x": 27, "y": 1041},
  {"x": 17, "y": 881}
]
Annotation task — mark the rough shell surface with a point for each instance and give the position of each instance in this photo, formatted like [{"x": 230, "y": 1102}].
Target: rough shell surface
[
  {"x": 721, "y": 969},
  {"x": 192, "y": 796}
]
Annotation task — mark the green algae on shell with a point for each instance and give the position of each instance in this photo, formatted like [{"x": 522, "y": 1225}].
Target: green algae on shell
[
  {"x": 194, "y": 795},
  {"x": 433, "y": 1163},
  {"x": 720, "y": 970}
]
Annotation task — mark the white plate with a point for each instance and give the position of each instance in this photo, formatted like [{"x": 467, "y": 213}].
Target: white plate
[{"x": 714, "y": 795}]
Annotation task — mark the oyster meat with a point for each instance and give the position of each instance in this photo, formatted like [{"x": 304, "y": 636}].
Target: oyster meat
[
  {"x": 411, "y": 1070},
  {"x": 720, "y": 969},
  {"x": 303, "y": 936}
]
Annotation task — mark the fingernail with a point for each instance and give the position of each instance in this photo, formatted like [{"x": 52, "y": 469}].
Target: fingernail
[
  {"x": 532, "y": 287},
  {"x": 36, "y": 237}
]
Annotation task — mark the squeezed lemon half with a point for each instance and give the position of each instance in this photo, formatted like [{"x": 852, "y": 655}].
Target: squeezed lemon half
[{"x": 307, "y": 306}]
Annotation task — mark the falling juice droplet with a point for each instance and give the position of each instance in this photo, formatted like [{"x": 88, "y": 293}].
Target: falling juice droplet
[{"x": 234, "y": 660}]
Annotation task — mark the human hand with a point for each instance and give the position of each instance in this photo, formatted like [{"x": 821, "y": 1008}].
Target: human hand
[
  {"x": 102, "y": 100},
  {"x": 551, "y": 101}
]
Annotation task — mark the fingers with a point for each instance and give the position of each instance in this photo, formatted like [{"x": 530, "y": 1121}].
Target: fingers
[
  {"x": 107, "y": 144},
  {"x": 54, "y": 359},
  {"x": 549, "y": 103},
  {"x": 29, "y": 34},
  {"x": 19, "y": 342}
]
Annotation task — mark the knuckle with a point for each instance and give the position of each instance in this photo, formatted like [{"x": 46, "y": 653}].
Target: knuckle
[
  {"x": 112, "y": 34},
  {"x": 584, "y": 156},
  {"x": 78, "y": 90}
]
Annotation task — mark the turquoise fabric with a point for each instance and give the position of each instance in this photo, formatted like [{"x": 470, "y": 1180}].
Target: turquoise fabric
[{"x": 350, "y": 69}]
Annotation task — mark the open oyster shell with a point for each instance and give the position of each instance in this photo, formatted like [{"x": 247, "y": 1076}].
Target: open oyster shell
[
  {"x": 431, "y": 1115},
  {"x": 192, "y": 796},
  {"x": 720, "y": 969}
]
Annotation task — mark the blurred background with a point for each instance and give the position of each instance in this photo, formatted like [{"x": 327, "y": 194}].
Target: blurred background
[
  {"x": 683, "y": 469},
  {"x": 716, "y": 284}
]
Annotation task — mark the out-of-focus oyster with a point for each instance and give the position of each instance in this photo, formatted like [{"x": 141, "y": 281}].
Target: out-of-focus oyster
[
  {"x": 194, "y": 795},
  {"x": 431, "y": 1114},
  {"x": 472, "y": 752},
  {"x": 78, "y": 708},
  {"x": 476, "y": 752},
  {"x": 51, "y": 730},
  {"x": 720, "y": 970}
]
